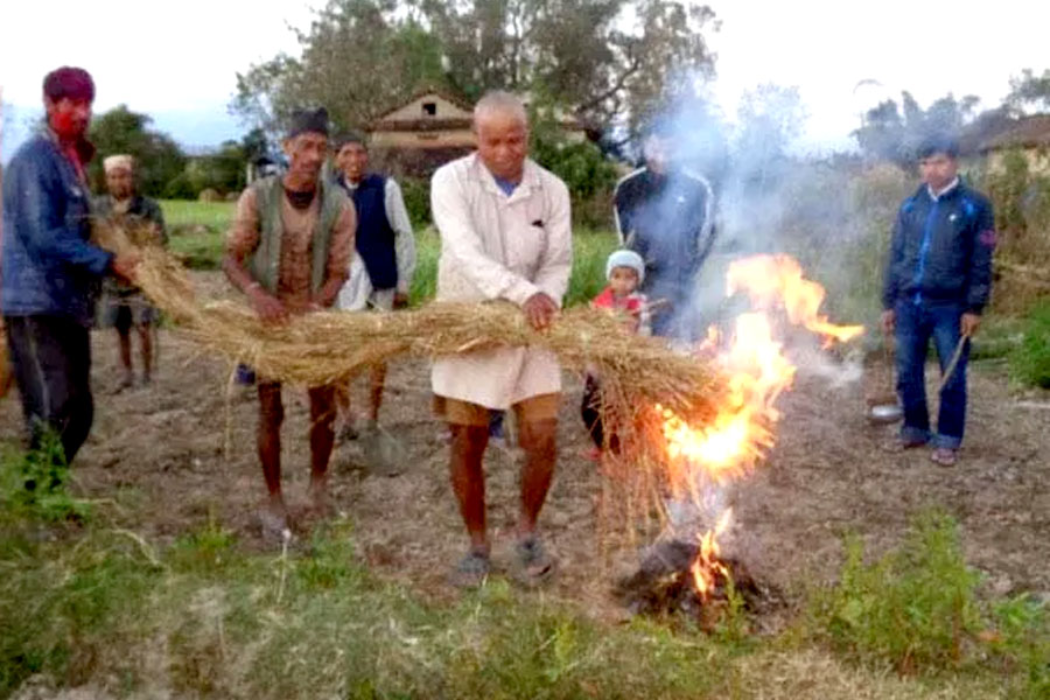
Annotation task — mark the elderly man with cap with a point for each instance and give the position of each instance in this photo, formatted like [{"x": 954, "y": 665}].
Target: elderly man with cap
[
  {"x": 289, "y": 251},
  {"x": 665, "y": 213},
  {"x": 505, "y": 235},
  {"x": 50, "y": 270},
  {"x": 124, "y": 305},
  {"x": 381, "y": 272}
]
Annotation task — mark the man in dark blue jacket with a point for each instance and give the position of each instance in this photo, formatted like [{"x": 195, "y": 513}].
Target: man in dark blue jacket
[
  {"x": 665, "y": 213},
  {"x": 938, "y": 279},
  {"x": 50, "y": 271}
]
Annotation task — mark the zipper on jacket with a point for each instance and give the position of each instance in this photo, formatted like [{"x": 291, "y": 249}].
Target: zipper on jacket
[{"x": 924, "y": 250}]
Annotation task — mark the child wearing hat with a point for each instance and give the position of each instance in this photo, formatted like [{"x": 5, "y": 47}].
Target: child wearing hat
[{"x": 625, "y": 271}]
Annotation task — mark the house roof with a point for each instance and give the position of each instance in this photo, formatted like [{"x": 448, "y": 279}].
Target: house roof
[
  {"x": 1030, "y": 132},
  {"x": 460, "y": 102}
]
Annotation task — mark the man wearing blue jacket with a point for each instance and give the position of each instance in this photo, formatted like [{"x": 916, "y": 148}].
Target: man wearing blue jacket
[
  {"x": 937, "y": 283},
  {"x": 50, "y": 271}
]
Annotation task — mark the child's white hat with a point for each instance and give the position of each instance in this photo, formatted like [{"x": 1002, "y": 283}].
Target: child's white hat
[{"x": 626, "y": 258}]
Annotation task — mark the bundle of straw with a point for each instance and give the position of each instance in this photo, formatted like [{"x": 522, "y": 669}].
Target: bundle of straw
[{"x": 319, "y": 348}]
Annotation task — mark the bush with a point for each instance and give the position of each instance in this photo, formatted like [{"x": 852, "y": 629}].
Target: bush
[
  {"x": 914, "y": 607},
  {"x": 417, "y": 200},
  {"x": 1030, "y": 362}
]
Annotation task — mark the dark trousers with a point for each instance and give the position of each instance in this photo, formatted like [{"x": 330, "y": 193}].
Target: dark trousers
[
  {"x": 52, "y": 362},
  {"x": 916, "y": 325}
]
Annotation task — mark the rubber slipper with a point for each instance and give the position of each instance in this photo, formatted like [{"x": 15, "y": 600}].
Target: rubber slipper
[
  {"x": 944, "y": 456},
  {"x": 471, "y": 571},
  {"x": 534, "y": 566}
]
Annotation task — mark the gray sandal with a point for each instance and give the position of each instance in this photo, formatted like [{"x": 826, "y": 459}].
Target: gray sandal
[
  {"x": 535, "y": 566},
  {"x": 472, "y": 570}
]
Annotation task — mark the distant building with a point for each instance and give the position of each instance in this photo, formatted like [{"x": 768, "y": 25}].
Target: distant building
[
  {"x": 1029, "y": 136},
  {"x": 429, "y": 130}
]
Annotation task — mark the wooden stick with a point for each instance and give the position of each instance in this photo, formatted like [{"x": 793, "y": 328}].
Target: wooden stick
[{"x": 956, "y": 356}]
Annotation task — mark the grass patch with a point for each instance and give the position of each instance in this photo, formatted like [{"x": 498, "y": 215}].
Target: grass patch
[
  {"x": 214, "y": 215},
  {"x": 1030, "y": 360},
  {"x": 204, "y": 617}
]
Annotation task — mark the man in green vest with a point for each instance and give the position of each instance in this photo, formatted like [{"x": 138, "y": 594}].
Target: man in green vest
[{"x": 289, "y": 252}]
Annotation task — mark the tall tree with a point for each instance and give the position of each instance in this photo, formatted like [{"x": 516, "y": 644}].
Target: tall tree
[
  {"x": 159, "y": 158},
  {"x": 357, "y": 60},
  {"x": 888, "y": 132},
  {"x": 612, "y": 62}
]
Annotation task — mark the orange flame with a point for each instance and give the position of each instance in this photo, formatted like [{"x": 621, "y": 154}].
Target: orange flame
[
  {"x": 775, "y": 281},
  {"x": 757, "y": 370}
]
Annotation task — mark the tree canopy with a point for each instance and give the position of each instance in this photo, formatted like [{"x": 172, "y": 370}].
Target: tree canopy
[{"x": 610, "y": 62}]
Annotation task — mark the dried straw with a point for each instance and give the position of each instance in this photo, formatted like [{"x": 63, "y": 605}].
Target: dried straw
[{"x": 319, "y": 348}]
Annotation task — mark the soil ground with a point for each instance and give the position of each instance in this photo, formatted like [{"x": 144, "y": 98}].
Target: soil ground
[{"x": 171, "y": 457}]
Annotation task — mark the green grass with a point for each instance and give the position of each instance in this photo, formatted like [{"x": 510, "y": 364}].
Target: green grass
[
  {"x": 1030, "y": 359},
  {"x": 86, "y": 602},
  {"x": 214, "y": 215}
]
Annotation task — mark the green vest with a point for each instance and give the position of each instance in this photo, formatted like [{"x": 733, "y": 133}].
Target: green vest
[{"x": 265, "y": 263}]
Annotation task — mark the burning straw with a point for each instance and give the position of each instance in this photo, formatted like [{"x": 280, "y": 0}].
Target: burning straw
[{"x": 319, "y": 348}]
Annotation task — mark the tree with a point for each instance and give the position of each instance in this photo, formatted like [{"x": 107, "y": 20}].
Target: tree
[
  {"x": 770, "y": 118},
  {"x": 357, "y": 60},
  {"x": 612, "y": 62},
  {"x": 1030, "y": 90},
  {"x": 159, "y": 160},
  {"x": 888, "y": 133}
]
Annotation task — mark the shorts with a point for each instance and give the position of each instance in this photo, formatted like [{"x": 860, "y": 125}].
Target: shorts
[
  {"x": 124, "y": 312},
  {"x": 534, "y": 408}
]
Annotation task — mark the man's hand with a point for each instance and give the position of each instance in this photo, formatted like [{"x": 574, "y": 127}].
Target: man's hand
[
  {"x": 888, "y": 321},
  {"x": 540, "y": 309},
  {"x": 267, "y": 306},
  {"x": 123, "y": 265},
  {"x": 400, "y": 300},
  {"x": 969, "y": 324}
]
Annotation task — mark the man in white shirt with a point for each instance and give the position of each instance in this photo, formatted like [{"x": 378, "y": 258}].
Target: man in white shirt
[
  {"x": 505, "y": 235},
  {"x": 381, "y": 269}
]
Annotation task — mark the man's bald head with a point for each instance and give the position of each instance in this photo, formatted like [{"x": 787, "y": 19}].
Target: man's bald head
[{"x": 502, "y": 128}]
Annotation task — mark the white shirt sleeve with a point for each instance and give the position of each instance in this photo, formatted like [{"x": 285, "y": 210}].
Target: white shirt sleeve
[
  {"x": 404, "y": 237},
  {"x": 462, "y": 242}
]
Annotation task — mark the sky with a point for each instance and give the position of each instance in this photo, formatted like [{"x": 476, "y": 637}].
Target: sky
[{"x": 178, "y": 61}]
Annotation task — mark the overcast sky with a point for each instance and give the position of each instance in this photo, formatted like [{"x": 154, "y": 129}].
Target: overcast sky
[{"x": 177, "y": 61}]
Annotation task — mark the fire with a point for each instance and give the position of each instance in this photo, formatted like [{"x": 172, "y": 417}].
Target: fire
[
  {"x": 758, "y": 371},
  {"x": 707, "y": 564},
  {"x": 776, "y": 281}
]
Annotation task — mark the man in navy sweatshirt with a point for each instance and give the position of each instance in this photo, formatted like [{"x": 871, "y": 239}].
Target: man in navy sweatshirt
[
  {"x": 50, "y": 270},
  {"x": 937, "y": 283}
]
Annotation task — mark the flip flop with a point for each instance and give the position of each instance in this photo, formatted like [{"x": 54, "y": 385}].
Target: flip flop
[
  {"x": 472, "y": 570},
  {"x": 534, "y": 566},
  {"x": 944, "y": 456}
]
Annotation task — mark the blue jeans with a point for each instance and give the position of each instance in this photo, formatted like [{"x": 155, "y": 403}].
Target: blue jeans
[{"x": 916, "y": 324}]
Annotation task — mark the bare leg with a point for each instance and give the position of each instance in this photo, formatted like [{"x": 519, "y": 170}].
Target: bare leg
[
  {"x": 271, "y": 415},
  {"x": 468, "y": 479},
  {"x": 538, "y": 440},
  {"x": 124, "y": 338},
  {"x": 322, "y": 438},
  {"x": 378, "y": 380},
  {"x": 146, "y": 340}
]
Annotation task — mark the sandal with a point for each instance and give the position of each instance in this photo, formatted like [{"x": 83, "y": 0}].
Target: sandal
[
  {"x": 472, "y": 570},
  {"x": 535, "y": 566},
  {"x": 944, "y": 456}
]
